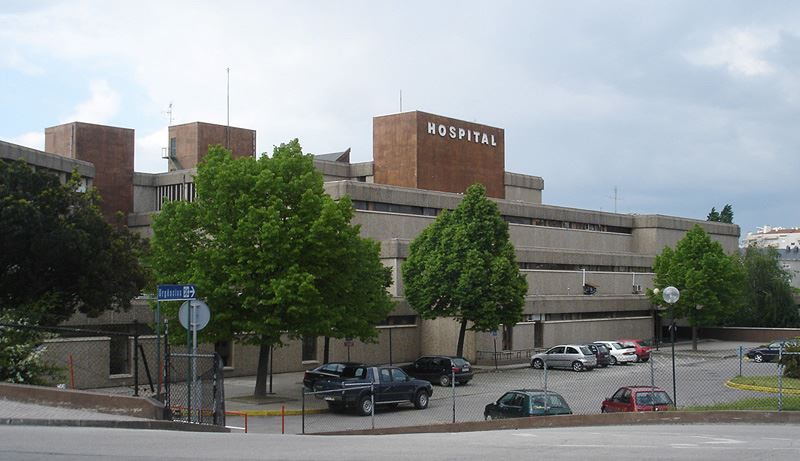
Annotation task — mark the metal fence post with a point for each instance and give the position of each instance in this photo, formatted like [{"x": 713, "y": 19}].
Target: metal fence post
[
  {"x": 372, "y": 399},
  {"x": 136, "y": 358},
  {"x": 741, "y": 355},
  {"x": 453, "y": 384},
  {"x": 780, "y": 378},
  {"x": 653, "y": 380},
  {"x": 303, "y": 413}
]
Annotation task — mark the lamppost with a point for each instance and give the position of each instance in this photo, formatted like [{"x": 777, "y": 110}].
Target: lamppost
[{"x": 671, "y": 296}]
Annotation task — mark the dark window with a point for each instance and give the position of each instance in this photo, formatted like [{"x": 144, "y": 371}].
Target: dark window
[
  {"x": 309, "y": 348},
  {"x": 173, "y": 147},
  {"x": 119, "y": 355}
]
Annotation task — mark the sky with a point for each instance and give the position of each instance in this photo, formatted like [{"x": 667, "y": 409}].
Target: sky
[{"x": 674, "y": 107}]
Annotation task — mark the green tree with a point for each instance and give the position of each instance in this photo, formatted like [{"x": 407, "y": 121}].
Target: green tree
[
  {"x": 710, "y": 282},
  {"x": 463, "y": 266},
  {"x": 768, "y": 297},
  {"x": 21, "y": 353},
  {"x": 271, "y": 253},
  {"x": 726, "y": 215},
  {"x": 58, "y": 255}
]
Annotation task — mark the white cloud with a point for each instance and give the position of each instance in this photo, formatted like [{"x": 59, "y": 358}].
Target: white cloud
[
  {"x": 102, "y": 105},
  {"x": 33, "y": 139},
  {"x": 740, "y": 51},
  {"x": 148, "y": 151}
]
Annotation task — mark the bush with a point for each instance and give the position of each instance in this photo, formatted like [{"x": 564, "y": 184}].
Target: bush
[{"x": 21, "y": 354}]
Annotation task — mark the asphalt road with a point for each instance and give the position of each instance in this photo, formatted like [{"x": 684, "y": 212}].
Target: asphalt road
[{"x": 689, "y": 442}]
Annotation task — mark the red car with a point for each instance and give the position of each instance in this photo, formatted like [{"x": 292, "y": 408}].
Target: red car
[
  {"x": 642, "y": 346},
  {"x": 637, "y": 398}
]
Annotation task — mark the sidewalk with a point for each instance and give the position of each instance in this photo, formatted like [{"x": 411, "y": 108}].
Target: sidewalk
[{"x": 286, "y": 393}]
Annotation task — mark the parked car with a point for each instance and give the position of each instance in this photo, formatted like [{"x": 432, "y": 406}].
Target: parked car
[
  {"x": 439, "y": 369},
  {"x": 328, "y": 370},
  {"x": 637, "y": 398},
  {"x": 381, "y": 386},
  {"x": 601, "y": 352},
  {"x": 527, "y": 402},
  {"x": 573, "y": 356},
  {"x": 642, "y": 346},
  {"x": 620, "y": 355},
  {"x": 769, "y": 352}
]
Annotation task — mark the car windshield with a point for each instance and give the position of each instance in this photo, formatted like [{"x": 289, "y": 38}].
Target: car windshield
[
  {"x": 618, "y": 346},
  {"x": 645, "y": 343},
  {"x": 647, "y": 398},
  {"x": 459, "y": 362},
  {"x": 586, "y": 350}
]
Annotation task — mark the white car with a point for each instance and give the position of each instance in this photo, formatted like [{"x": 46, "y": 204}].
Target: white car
[{"x": 620, "y": 355}]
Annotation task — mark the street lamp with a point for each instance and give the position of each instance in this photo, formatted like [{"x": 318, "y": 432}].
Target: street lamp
[{"x": 671, "y": 296}]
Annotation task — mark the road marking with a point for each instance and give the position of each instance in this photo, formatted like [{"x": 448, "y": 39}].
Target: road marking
[{"x": 716, "y": 439}]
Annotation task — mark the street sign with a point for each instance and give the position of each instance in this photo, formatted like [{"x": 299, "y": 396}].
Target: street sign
[
  {"x": 202, "y": 314},
  {"x": 176, "y": 292}
]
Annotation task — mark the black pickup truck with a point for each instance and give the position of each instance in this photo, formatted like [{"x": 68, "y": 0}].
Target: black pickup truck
[{"x": 391, "y": 386}]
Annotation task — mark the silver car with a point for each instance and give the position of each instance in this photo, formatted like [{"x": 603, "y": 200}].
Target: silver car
[{"x": 573, "y": 356}]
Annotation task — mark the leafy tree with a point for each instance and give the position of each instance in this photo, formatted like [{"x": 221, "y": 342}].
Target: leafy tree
[
  {"x": 768, "y": 297},
  {"x": 463, "y": 266},
  {"x": 271, "y": 253},
  {"x": 710, "y": 282},
  {"x": 58, "y": 255},
  {"x": 726, "y": 215}
]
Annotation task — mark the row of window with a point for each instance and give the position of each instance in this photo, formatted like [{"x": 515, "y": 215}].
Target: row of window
[
  {"x": 596, "y": 315},
  {"x": 578, "y": 267},
  {"x": 426, "y": 211},
  {"x": 175, "y": 192}
]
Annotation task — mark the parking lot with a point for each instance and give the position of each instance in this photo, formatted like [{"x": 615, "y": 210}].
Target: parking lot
[{"x": 700, "y": 380}]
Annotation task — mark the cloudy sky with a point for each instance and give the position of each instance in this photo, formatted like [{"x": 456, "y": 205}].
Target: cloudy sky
[{"x": 678, "y": 105}]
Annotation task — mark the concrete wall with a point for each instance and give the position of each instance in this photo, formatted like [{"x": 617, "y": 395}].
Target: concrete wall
[
  {"x": 582, "y": 331},
  {"x": 440, "y": 336},
  {"x": 748, "y": 334},
  {"x": 544, "y": 282}
]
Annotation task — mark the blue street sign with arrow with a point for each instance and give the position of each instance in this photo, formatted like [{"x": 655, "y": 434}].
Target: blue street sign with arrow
[{"x": 176, "y": 292}]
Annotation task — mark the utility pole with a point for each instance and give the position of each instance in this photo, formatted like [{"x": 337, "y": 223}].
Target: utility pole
[{"x": 228, "y": 109}]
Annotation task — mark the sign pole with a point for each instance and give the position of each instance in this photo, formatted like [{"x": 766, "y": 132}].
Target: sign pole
[{"x": 158, "y": 342}]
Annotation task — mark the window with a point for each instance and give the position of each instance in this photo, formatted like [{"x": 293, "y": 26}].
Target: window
[
  {"x": 173, "y": 147},
  {"x": 398, "y": 375},
  {"x": 225, "y": 351},
  {"x": 309, "y": 348},
  {"x": 385, "y": 376}
]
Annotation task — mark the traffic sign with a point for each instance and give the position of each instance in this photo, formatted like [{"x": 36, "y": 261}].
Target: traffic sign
[
  {"x": 176, "y": 292},
  {"x": 202, "y": 314}
]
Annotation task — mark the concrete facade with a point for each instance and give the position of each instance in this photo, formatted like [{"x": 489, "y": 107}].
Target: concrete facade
[
  {"x": 110, "y": 150},
  {"x": 188, "y": 143}
]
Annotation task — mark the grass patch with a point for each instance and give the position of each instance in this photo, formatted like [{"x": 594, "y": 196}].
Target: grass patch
[
  {"x": 790, "y": 403},
  {"x": 767, "y": 381}
]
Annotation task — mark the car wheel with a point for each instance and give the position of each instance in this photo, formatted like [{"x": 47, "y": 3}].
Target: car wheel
[
  {"x": 612, "y": 360},
  {"x": 577, "y": 366},
  {"x": 645, "y": 359},
  {"x": 537, "y": 363},
  {"x": 603, "y": 410},
  {"x": 421, "y": 400},
  {"x": 365, "y": 406},
  {"x": 444, "y": 380},
  {"x": 487, "y": 417},
  {"x": 758, "y": 358}
]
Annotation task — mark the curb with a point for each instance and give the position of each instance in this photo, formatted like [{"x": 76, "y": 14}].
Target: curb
[
  {"x": 278, "y": 412},
  {"x": 115, "y": 424},
  {"x": 750, "y": 387}
]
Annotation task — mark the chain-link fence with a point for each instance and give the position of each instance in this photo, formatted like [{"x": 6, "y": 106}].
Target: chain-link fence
[
  {"x": 121, "y": 361},
  {"x": 194, "y": 388},
  {"x": 720, "y": 379}
]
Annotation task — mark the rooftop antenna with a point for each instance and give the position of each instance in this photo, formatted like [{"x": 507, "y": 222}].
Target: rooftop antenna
[
  {"x": 168, "y": 113},
  {"x": 401, "y": 100},
  {"x": 616, "y": 198},
  {"x": 228, "y": 108}
]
